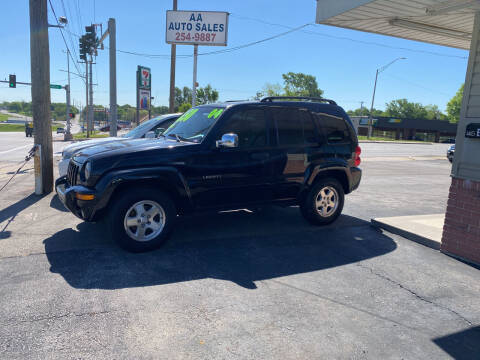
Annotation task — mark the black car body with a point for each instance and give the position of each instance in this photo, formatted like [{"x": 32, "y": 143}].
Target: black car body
[{"x": 284, "y": 149}]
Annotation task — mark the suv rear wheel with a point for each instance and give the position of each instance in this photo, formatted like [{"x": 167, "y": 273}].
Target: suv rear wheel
[
  {"x": 324, "y": 202},
  {"x": 142, "y": 220}
]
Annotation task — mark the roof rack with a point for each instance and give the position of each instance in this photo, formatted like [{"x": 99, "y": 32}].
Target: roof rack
[{"x": 309, "y": 98}]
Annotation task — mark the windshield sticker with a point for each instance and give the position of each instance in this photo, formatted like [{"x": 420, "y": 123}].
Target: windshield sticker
[
  {"x": 187, "y": 115},
  {"x": 215, "y": 113}
]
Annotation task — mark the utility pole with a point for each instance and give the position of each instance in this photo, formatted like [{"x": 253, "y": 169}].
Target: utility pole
[
  {"x": 194, "y": 87},
  {"x": 68, "y": 135},
  {"x": 113, "y": 75},
  {"x": 40, "y": 73},
  {"x": 90, "y": 99},
  {"x": 371, "y": 108},
  {"x": 173, "y": 56},
  {"x": 138, "y": 102},
  {"x": 86, "y": 116}
]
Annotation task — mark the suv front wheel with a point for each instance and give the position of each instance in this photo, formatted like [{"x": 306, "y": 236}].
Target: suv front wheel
[
  {"x": 324, "y": 202},
  {"x": 142, "y": 220}
]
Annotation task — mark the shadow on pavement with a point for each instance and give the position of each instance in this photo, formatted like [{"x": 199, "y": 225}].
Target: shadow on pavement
[
  {"x": 240, "y": 247},
  {"x": 57, "y": 204},
  {"x": 461, "y": 345}
]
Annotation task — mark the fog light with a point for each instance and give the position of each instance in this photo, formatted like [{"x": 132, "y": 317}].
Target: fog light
[{"x": 84, "y": 196}]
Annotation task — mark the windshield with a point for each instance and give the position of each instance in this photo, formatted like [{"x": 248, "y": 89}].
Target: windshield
[
  {"x": 141, "y": 129},
  {"x": 194, "y": 124}
]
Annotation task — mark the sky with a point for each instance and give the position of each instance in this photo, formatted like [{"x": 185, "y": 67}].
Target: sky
[{"x": 343, "y": 61}]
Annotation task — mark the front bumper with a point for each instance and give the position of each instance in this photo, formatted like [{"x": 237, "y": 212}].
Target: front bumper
[
  {"x": 63, "y": 167},
  {"x": 84, "y": 209}
]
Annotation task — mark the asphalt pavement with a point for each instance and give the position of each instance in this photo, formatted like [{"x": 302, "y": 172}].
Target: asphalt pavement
[{"x": 242, "y": 284}]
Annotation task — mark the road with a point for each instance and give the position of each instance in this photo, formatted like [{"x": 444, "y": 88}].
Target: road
[
  {"x": 242, "y": 285},
  {"x": 14, "y": 146}
]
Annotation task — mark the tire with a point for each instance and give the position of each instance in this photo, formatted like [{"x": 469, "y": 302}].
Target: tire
[
  {"x": 155, "y": 221},
  {"x": 330, "y": 202}
]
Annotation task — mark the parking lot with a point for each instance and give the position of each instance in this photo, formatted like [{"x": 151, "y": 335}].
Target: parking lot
[{"x": 244, "y": 284}]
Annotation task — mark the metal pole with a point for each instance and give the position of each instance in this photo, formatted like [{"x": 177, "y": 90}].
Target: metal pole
[
  {"x": 194, "y": 87},
  {"x": 67, "y": 135},
  {"x": 85, "y": 116},
  {"x": 138, "y": 104},
  {"x": 90, "y": 95},
  {"x": 173, "y": 56},
  {"x": 371, "y": 107},
  {"x": 40, "y": 74},
  {"x": 113, "y": 75}
]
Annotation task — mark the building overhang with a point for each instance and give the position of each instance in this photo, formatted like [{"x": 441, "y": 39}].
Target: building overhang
[{"x": 446, "y": 22}]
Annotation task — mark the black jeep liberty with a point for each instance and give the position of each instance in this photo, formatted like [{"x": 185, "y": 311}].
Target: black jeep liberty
[{"x": 217, "y": 157}]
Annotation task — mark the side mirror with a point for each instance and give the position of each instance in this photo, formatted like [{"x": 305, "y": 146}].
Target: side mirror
[
  {"x": 228, "y": 140},
  {"x": 150, "y": 135}
]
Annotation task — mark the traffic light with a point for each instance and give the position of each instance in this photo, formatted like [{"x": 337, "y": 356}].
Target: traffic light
[
  {"x": 91, "y": 37},
  {"x": 12, "y": 81},
  {"x": 84, "y": 48}
]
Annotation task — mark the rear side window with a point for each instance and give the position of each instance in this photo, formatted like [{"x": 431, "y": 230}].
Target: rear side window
[
  {"x": 335, "y": 128},
  {"x": 294, "y": 126}
]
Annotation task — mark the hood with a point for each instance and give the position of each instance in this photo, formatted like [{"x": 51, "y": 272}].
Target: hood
[
  {"x": 126, "y": 148},
  {"x": 69, "y": 150}
]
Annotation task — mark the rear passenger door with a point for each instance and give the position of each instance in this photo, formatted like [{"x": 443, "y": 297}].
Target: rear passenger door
[{"x": 297, "y": 140}]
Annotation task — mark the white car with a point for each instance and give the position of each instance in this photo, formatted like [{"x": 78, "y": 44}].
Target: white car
[{"x": 148, "y": 129}]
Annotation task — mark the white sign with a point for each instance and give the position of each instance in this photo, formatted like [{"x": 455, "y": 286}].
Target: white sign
[{"x": 197, "y": 27}]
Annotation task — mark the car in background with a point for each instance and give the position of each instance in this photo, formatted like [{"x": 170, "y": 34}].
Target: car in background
[
  {"x": 148, "y": 129},
  {"x": 60, "y": 130},
  {"x": 107, "y": 128},
  {"x": 451, "y": 153}
]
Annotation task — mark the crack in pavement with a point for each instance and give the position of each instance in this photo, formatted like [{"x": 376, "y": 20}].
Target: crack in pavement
[
  {"x": 443, "y": 307},
  {"x": 56, "y": 317}
]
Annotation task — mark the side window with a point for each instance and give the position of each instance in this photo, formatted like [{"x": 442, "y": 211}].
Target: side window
[
  {"x": 160, "y": 128},
  {"x": 335, "y": 129},
  {"x": 250, "y": 125},
  {"x": 295, "y": 126}
]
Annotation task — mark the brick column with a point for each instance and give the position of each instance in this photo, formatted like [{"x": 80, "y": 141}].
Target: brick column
[{"x": 461, "y": 232}]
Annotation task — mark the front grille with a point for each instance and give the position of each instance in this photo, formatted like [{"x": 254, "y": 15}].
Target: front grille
[{"x": 72, "y": 173}]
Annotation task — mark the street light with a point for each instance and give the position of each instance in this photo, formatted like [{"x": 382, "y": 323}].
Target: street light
[{"x": 379, "y": 70}]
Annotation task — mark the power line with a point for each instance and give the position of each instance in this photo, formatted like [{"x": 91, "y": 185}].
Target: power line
[
  {"x": 417, "y": 85},
  {"x": 349, "y": 39},
  {"x": 63, "y": 37}
]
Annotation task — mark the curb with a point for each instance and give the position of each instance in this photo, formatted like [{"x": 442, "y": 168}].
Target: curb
[
  {"x": 396, "y": 142},
  {"x": 407, "y": 234}
]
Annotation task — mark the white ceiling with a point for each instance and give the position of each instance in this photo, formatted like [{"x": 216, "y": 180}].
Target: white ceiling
[{"x": 447, "y": 23}]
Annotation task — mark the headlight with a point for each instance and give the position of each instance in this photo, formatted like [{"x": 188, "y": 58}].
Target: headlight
[{"x": 88, "y": 170}]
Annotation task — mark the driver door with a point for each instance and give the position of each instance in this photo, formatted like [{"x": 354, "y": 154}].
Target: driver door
[{"x": 241, "y": 175}]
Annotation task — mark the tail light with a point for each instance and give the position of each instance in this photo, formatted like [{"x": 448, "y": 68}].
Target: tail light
[{"x": 357, "y": 159}]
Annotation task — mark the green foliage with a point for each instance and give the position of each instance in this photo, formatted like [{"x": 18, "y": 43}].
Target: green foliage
[
  {"x": 205, "y": 95},
  {"x": 404, "y": 109},
  {"x": 454, "y": 105},
  {"x": 294, "y": 84},
  {"x": 365, "y": 112},
  {"x": 58, "y": 110},
  {"x": 184, "y": 107},
  {"x": 299, "y": 84}
]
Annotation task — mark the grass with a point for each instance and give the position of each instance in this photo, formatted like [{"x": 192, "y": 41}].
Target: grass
[
  {"x": 94, "y": 135},
  {"x": 3, "y": 117},
  {"x": 19, "y": 127}
]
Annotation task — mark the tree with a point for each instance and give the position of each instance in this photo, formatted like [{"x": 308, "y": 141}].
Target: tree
[
  {"x": 365, "y": 112},
  {"x": 184, "y": 107},
  {"x": 454, "y": 105},
  {"x": 206, "y": 95},
  {"x": 404, "y": 109},
  {"x": 300, "y": 84},
  {"x": 434, "y": 113}
]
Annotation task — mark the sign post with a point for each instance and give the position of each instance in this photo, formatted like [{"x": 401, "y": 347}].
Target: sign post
[
  {"x": 196, "y": 28},
  {"x": 144, "y": 88}
]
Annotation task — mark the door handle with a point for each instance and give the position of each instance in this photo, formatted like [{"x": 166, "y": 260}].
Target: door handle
[{"x": 260, "y": 156}]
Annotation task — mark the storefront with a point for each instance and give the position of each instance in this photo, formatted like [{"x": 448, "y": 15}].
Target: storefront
[{"x": 453, "y": 23}]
